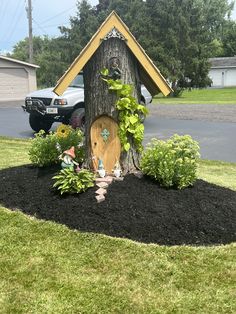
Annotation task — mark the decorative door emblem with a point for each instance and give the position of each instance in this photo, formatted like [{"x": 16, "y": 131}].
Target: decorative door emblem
[{"x": 105, "y": 134}]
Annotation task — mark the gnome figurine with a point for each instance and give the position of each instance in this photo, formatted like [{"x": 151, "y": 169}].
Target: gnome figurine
[
  {"x": 101, "y": 170},
  {"x": 117, "y": 169},
  {"x": 67, "y": 158}
]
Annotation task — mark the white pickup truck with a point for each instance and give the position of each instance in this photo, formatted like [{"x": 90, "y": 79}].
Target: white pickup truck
[{"x": 45, "y": 107}]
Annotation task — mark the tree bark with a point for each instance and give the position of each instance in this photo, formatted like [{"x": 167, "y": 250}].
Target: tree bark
[{"x": 100, "y": 101}]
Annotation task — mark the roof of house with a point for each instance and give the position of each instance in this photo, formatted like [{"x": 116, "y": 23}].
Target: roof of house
[
  {"x": 149, "y": 73},
  {"x": 224, "y": 62},
  {"x": 19, "y": 62}
]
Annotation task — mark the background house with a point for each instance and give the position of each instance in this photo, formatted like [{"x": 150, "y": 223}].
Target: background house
[
  {"x": 223, "y": 72},
  {"x": 17, "y": 78}
]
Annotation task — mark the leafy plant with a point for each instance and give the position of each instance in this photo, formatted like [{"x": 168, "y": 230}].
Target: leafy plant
[
  {"x": 172, "y": 162},
  {"x": 69, "y": 181},
  {"x": 45, "y": 148},
  {"x": 130, "y": 113}
]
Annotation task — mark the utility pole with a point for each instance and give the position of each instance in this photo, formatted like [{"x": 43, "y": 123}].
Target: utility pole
[{"x": 29, "y": 16}]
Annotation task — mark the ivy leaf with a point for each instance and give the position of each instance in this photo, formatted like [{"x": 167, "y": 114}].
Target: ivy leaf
[
  {"x": 131, "y": 130},
  {"x": 143, "y": 109},
  {"x": 104, "y": 71},
  {"x": 127, "y": 147},
  {"x": 116, "y": 87},
  {"x": 133, "y": 119},
  {"x": 126, "y": 90}
]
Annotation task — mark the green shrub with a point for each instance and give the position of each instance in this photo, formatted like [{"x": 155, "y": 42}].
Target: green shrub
[
  {"x": 69, "y": 181},
  {"x": 172, "y": 162},
  {"x": 46, "y": 148}
]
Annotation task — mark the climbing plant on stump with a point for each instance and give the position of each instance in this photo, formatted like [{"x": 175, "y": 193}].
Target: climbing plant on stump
[{"x": 131, "y": 128}]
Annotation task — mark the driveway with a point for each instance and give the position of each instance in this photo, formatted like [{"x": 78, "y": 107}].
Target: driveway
[{"x": 214, "y": 127}]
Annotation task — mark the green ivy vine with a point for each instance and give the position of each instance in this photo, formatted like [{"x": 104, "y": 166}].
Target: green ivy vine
[{"x": 130, "y": 111}]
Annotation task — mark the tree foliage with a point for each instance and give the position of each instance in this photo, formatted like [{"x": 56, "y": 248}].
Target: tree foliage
[
  {"x": 228, "y": 39},
  {"x": 179, "y": 35},
  {"x": 49, "y": 54}
]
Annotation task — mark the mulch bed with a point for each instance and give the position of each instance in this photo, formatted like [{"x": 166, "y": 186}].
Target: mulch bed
[{"x": 135, "y": 208}]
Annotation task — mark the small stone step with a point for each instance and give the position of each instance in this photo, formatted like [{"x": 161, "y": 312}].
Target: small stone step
[
  {"x": 103, "y": 185},
  {"x": 100, "y": 198},
  {"x": 107, "y": 180},
  {"x": 101, "y": 191}
]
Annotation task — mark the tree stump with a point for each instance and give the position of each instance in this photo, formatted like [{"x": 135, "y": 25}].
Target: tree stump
[{"x": 100, "y": 101}]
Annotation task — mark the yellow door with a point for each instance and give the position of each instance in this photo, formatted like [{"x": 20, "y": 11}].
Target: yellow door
[{"x": 105, "y": 142}]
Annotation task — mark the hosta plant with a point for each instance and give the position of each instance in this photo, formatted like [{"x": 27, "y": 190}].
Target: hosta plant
[
  {"x": 71, "y": 182},
  {"x": 173, "y": 163}
]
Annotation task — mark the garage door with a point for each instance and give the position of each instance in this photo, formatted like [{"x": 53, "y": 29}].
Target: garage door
[{"x": 13, "y": 83}]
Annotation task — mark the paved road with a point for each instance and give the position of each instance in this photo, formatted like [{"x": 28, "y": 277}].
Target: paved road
[{"x": 217, "y": 139}]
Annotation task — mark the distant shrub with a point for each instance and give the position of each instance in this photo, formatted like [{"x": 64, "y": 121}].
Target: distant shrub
[
  {"x": 69, "y": 181},
  {"x": 46, "y": 148},
  {"x": 173, "y": 163}
]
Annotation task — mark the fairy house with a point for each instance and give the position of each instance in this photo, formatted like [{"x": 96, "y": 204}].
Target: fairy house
[{"x": 112, "y": 45}]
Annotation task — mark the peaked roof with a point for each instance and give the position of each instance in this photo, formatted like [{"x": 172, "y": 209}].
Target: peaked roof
[
  {"x": 149, "y": 73},
  {"x": 19, "y": 62},
  {"x": 223, "y": 62}
]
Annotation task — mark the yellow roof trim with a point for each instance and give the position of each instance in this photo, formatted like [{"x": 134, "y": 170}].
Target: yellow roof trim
[{"x": 113, "y": 20}]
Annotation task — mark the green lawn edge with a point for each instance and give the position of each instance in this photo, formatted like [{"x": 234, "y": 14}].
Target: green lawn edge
[
  {"x": 47, "y": 268},
  {"x": 224, "y": 96}
]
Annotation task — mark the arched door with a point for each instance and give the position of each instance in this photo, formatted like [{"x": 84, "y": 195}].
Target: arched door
[{"x": 105, "y": 142}]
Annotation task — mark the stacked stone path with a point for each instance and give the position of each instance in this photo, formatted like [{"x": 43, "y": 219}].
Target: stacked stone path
[{"x": 102, "y": 184}]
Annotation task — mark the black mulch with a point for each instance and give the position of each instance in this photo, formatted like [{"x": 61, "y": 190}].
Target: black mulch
[{"x": 137, "y": 209}]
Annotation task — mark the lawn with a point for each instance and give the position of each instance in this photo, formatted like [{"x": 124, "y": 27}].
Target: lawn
[
  {"x": 201, "y": 96},
  {"x": 47, "y": 268}
]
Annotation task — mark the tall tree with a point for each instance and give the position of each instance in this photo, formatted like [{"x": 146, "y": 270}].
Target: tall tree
[
  {"x": 229, "y": 39},
  {"x": 183, "y": 32},
  {"x": 49, "y": 54},
  {"x": 81, "y": 29}
]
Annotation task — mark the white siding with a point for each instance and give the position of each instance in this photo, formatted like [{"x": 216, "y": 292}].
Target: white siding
[
  {"x": 223, "y": 77},
  {"x": 14, "y": 83},
  {"x": 17, "y": 79},
  {"x": 231, "y": 77}
]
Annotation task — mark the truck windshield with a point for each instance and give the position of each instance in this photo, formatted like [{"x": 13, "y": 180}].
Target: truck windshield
[{"x": 78, "y": 81}]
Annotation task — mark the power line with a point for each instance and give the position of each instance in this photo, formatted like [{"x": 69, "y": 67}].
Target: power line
[
  {"x": 54, "y": 25},
  {"x": 39, "y": 26},
  {"x": 16, "y": 18},
  {"x": 4, "y": 10},
  {"x": 59, "y": 14}
]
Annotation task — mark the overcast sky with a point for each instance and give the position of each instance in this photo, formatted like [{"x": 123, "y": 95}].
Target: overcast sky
[{"x": 47, "y": 16}]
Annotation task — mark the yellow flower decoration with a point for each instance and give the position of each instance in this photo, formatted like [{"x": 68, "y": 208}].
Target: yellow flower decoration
[{"x": 63, "y": 130}]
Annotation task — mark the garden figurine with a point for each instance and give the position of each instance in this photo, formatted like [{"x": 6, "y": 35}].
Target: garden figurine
[
  {"x": 117, "y": 169},
  {"x": 101, "y": 170},
  {"x": 67, "y": 158}
]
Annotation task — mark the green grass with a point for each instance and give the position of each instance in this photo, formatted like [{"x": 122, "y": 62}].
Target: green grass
[
  {"x": 47, "y": 268},
  {"x": 223, "y": 96},
  {"x": 13, "y": 152},
  {"x": 218, "y": 172}
]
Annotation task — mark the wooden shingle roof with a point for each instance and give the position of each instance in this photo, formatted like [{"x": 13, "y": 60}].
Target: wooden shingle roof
[{"x": 149, "y": 73}]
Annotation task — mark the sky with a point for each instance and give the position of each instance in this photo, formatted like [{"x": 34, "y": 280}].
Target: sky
[{"x": 47, "y": 16}]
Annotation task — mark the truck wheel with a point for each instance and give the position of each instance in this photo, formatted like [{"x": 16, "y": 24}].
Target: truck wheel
[
  {"x": 38, "y": 123},
  {"x": 77, "y": 119}
]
